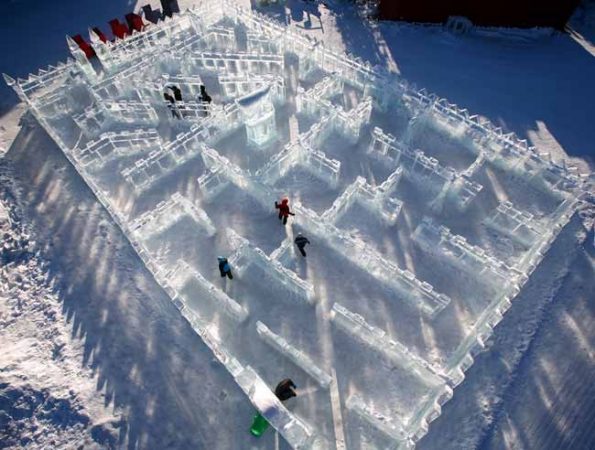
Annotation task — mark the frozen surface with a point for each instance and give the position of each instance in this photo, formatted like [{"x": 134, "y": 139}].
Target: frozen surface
[{"x": 384, "y": 316}]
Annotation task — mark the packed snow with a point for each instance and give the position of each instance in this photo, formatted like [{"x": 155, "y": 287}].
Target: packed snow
[{"x": 428, "y": 226}]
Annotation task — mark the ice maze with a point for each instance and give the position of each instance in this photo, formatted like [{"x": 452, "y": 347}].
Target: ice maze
[{"x": 425, "y": 221}]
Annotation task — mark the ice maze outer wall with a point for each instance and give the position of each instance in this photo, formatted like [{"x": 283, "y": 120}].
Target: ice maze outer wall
[{"x": 47, "y": 95}]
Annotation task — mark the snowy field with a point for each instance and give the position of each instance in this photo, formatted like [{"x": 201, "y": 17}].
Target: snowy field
[{"x": 428, "y": 226}]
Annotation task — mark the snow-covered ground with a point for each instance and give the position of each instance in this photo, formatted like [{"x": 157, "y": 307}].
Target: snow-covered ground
[
  {"x": 39, "y": 409},
  {"x": 99, "y": 356}
]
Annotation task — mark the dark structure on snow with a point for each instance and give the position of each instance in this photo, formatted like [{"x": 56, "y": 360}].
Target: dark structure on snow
[{"x": 490, "y": 13}]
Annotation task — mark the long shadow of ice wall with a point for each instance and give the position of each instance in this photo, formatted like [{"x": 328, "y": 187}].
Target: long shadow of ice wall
[{"x": 147, "y": 360}]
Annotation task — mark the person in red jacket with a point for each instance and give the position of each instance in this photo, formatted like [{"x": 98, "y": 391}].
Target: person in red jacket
[{"x": 284, "y": 211}]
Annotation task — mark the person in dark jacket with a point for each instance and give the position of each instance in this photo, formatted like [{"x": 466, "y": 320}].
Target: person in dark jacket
[
  {"x": 177, "y": 92},
  {"x": 301, "y": 242},
  {"x": 284, "y": 211},
  {"x": 205, "y": 99},
  {"x": 224, "y": 267},
  {"x": 171, "y": 104},
  {"x": 285, "y": 389},
  {"x": 168, "y": 98}
]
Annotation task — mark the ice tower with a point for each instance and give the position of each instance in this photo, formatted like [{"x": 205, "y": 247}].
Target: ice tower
[{"x": 258, "y": 112}]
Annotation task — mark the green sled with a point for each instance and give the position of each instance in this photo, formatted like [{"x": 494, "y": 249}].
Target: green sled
[{"x": 259, "y": 425}]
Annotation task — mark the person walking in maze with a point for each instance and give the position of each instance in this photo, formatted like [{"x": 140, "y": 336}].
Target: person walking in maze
[
  {"x": 224, "y": 268},
  {"x": 285, "y": 389},
  {"x": 205, "y": 99},
  {"x": 301, "y": 242},
  {"x": 171, "y": 104},
  {"x": 176, "y": 91},
  {"x": 284, "y": 211}
]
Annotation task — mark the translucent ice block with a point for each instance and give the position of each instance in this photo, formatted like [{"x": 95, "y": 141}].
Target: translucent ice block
[
  {"x": 517, "y": 224},
  {"x": 439, "y": 239},
  {"x": 169, "y": 212},
  {"x": 427, "y": 171},
  {"x": 246, "y": 255},
  {"x": 229, "y": 306},
  {"x": 112, "y": 145},
  {"x": 374, "y": 199},
  {"x": 258, "y": 114},
  {"x": 234, "y": 86},
  {"x": 238, "y": 63}
]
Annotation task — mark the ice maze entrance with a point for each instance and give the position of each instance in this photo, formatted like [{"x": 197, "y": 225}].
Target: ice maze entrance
[{"x": 425, "y": 221}]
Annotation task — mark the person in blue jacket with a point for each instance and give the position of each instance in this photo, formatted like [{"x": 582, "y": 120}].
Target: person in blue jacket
[{"x": 224, "y": 267}]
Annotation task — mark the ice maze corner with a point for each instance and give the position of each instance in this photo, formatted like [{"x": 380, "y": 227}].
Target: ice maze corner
[{"x": 424, "y": 219}]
